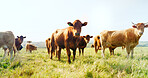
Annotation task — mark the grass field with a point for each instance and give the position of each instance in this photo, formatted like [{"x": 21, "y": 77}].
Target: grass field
[{"x": 91, "y": 65}]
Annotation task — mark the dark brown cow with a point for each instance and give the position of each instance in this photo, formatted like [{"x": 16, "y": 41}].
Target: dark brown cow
[
  {"x": 30, "y": 47},
  {"x": 128, "y": 38},
  {"x": 18, "y": 42},
  {"x": 67, "y": 38},
  {"x": 83, "y": 43}
]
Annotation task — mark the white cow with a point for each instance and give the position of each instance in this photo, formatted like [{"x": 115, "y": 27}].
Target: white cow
[{"x": 7, "y": 42}]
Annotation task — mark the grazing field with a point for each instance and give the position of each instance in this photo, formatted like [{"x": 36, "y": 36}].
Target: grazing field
[{"x": 39, "y": 65}]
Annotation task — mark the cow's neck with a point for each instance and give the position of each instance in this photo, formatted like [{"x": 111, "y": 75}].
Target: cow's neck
[{"x": 137, "y": 35}]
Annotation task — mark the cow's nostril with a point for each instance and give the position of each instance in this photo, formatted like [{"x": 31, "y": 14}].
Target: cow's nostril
[{"x": 77, "y": 34}]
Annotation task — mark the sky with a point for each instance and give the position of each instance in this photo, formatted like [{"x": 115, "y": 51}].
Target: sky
[{"x": 38, "y": 19}]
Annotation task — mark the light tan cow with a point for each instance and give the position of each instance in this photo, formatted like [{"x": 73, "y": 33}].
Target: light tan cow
[
  {"x": 128, "y": 38},
  {"x": 7, "y": 42}
]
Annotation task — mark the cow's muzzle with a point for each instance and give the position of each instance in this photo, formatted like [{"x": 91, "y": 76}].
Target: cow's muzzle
[
  {"x": 77, "y": 34},
  {"x": 140, "y": 33}
]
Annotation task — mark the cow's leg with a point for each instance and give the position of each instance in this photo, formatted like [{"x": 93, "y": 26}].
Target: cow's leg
[
  {"x": 5, "y": 52},
  {"x": 128, "y": 51},
  {"x": 56, "y": 51},
  {"x": 68, "y": 54},
  {"x": 96, "y": 48},
  {"x": 132, "y": 51},
  {"x": 59, "y": 53},
  {"x": 110, "y": 49},
  {"x": 74, "y": 54},
  {"x": 79, "y": 51},
  {"x": 83, "y": 51},
  {"x": 103, "y": 50},
  {"x": 8, "y": 53},
  {"x": 30, "y": 51},
  {"x": 11, "y": 53},
  {"x": 52, "y": 50},
  {"x": 48, "y": 51},
  {"x": 113, "y": 50}
]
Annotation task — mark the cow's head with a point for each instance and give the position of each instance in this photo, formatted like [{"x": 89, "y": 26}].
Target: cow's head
[
  {"x": 140, "y": 28},
  {"x": 87, "y": 38},
  {"x": 77, "y": 26},
  {"x": 21, "y": 38}
]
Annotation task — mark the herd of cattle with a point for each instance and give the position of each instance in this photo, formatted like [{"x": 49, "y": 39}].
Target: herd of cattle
[{"x": 69, "y": 38}]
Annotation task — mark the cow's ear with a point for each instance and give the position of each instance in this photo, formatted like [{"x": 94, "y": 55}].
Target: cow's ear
[
  {"x": 24, "y": 37},
  {"x": 134, "y": 26},
  {"x": 98, "y": 37},
  {"x": 84, "y": 24},
  {"x": 69, "y": 23},
  {"x": 83, "y": 36},
  {"x": 48, "y": 38},
  {"x": 91, "y": 36},
  {"x": 145, "y": 26}
]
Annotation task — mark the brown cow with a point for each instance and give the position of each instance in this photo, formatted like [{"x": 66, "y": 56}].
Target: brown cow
[
  {"x": 83, "y": 43},
  {"x": 128, "y": 38},
  {"x": 48, "y": 46},
  {"x": 67, "y": 38},
  {"x": 7, "y": 42},
  {"x": 97, "y": 43},
  {"x": 18, "y": 42},
  {"x": 30, "y": 47}
]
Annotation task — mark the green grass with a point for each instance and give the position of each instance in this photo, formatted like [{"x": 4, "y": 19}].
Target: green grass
[{"x": 91, "y": 65}]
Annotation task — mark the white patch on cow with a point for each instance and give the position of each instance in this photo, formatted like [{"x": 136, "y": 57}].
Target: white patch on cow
[{"x": 5, "y": 47}]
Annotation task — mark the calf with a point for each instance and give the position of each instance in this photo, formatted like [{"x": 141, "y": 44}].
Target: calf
[
  {"x": 128, "y": 38},
  {"x": 30, "y": 47},
  {"x": 67, "y": 38},
  {"x": 83, "y": 43},
  {"x": 7, "y": 41}
]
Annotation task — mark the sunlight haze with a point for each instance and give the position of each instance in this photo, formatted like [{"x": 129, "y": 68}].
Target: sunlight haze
[{"x": 38, "y": 19}]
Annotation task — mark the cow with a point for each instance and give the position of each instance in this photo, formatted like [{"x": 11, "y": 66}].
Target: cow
[
  {"x": 48, "y": 46},
  {"x": 97, "y": 44},
  {"x": 83, "y": 43},
  {"x": 30, "y": 47},
  {"x": 18, "y": 42},
  {"x": 67, "y": 38},
  {"x": 128, "y": 38},
  {"x": 7, "y": 42}
]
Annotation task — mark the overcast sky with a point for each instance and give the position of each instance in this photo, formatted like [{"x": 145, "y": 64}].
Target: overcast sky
[{"x": 38, "y": 19}]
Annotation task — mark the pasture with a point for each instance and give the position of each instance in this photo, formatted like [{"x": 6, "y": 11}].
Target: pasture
[{"x": 39, "y": 65}]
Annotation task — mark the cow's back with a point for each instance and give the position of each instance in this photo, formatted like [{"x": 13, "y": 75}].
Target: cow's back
[
  {"x": 7, "y": 38},
  {"x": 113, "y": 38}
]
